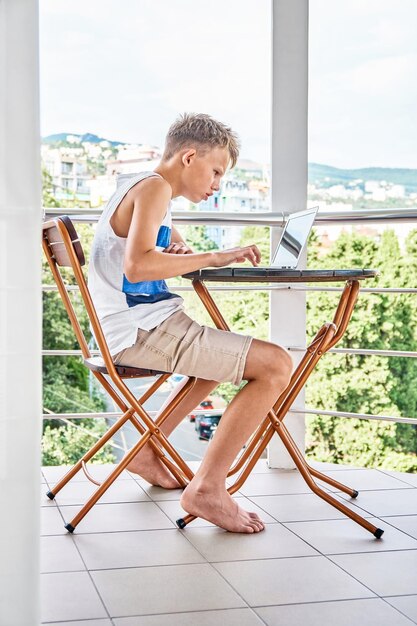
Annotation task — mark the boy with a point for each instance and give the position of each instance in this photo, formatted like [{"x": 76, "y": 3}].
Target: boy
[{"x": 135, "y": 248}]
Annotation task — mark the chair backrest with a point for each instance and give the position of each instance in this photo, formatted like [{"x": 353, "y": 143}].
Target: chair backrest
[{"x": 63, "y": 248}]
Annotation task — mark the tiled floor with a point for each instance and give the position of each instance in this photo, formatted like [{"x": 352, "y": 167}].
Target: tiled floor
[{"x": 128, "y": 565}]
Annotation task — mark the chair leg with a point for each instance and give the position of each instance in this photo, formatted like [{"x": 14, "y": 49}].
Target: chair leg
[
  {"x": 88, "y": 455},
  {"x": 108, "y": 482},
  {"x": 152, "y": 430},
  {"x": 182, "y": 472}
]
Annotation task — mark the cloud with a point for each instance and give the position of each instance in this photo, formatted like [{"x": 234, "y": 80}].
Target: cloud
[{"x": 126, "y": 69}]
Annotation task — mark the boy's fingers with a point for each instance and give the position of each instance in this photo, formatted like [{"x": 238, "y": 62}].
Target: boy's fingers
[
  {"x": 177, "y": 248},
  {"x": 251, "y": 256}
]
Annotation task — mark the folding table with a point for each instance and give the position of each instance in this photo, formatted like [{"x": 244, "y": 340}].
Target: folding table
[{"x": 328, "y": 335}]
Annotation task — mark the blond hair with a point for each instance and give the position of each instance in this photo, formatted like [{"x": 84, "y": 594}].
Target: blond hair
[{"x": 200, "y": 131}]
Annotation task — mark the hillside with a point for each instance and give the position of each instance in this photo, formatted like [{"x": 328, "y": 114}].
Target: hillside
[
  {"x": 85, "y": 138},
  {"x": 326, "y": 176}
]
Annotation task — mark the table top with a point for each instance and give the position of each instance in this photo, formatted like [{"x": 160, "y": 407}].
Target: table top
[{"x": 273, "y": 275}]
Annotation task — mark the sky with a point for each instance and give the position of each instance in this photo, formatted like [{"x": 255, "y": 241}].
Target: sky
[{"x": 125, "y": 69}]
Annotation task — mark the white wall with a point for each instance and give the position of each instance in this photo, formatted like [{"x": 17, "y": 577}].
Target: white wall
[
  {"x": 289, "y": 178},
  {"x": 20, "y": 313}
]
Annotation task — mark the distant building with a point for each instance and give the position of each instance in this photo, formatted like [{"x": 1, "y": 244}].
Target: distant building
[{"x": 68, "y": 169}]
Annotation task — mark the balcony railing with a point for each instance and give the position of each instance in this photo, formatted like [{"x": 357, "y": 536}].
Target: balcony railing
[{"x": 380, "y": 216}]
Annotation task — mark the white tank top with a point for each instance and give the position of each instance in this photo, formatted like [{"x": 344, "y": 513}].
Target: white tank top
[{"x": 122, "y": 306}]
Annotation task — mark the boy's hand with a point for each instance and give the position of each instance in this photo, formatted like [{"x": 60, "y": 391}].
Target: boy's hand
[
  {"x": 237, "y": 255},
  {"x": 178, "y": 248}
]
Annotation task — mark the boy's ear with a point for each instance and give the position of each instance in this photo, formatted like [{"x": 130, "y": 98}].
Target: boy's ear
[{"x": 188, "y": 156}]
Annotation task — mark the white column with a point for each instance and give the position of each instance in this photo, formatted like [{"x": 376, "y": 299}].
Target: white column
[
  {"x": 289, "y": 178},
  {"x": 20, "y": 313}
]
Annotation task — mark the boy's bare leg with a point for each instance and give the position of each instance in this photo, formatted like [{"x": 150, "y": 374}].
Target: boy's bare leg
[
  {"x": 146, "y": 463},
  {"x": 268, "y": 370}
]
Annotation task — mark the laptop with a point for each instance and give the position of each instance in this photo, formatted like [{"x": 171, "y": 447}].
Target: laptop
[
  {"x": 285, "y": 259},
  {"x": 293, "y": 239}
]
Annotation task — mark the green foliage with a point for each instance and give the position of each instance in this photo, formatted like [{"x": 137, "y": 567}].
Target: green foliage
[
  {"x": 366, "y": 384},
  {"x": 344, "y": 382},
  {"x": 48, "y": 199},
  {"x": 67, "y": 386},
  {"x": 198, "y": 240},
  {"x": 64, "y": 445}
]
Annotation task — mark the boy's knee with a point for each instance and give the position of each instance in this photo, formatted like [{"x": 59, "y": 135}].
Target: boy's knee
[
  {"x": 269, "y": 362},
  {"x": 281, "y": 364}
]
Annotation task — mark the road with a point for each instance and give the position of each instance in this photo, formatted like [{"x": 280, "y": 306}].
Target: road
[{"x": 184, "y": 438}]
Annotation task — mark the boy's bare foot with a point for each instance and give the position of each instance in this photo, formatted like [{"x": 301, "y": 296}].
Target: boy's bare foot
[
  {"x": 151, "y": 468},
  {"x": 217, "y": 506}
]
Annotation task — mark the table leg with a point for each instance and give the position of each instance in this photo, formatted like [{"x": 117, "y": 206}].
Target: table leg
[{"x": 328, "y": 335}]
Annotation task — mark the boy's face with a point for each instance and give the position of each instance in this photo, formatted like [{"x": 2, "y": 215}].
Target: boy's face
[{"x": 203, "y": 172}]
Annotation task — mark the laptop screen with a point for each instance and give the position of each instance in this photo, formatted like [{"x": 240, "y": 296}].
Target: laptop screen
[{"x": 294, "y": 238}]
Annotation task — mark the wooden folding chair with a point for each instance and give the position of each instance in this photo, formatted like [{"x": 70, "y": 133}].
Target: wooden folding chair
[{"x": 63, "y": 248}]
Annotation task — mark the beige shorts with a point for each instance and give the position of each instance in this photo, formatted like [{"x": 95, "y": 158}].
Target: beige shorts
[{"x": 181, "y": 346}]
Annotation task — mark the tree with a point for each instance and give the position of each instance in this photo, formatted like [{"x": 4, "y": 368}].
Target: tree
[
  {"x": 366, "y": 384},
  {"x": 198, "y": 240},
  {"x": 67, "y": 387},
  {"x": 349, "y": 383},
  {"x": 48, "y": 199}
]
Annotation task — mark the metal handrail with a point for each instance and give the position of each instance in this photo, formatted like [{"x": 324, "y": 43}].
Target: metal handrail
[
  {"x": 360, "y": 351},
  {"x": 266, "y": 287},
  {"x": 256, "y": 218},
  {"x": 382, "y": 215},
  {"x": 309, "y": 411}
]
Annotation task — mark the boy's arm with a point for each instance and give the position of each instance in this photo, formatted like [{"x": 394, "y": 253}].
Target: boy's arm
[
  {"x": 142, "y": 262},
  {"x": 177, "y": 245},
  {"x": 176, "y": 235}
]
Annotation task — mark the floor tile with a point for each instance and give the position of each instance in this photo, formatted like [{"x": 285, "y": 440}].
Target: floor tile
[
  {"x": 268, "y": 569},
  {"x": 274, "y": 483},
  {"x": 89, "y": 622},
  {"x": 287, "y": 581},
  {"x": 292, "y": 508},
  {"x": 385, "y": 503},
  {"x": 59, "y": 554},
  {"x": 77, "y": 493},
  {"x": 150, "y": 590},
  {"x": 406, "y": 523},
  {"x": 367, "y": 480},
  {"x": 405, "y": 604},
  {"x": 386, "y": 573},
  {"x": 158, "y": 494},
  {"x": 99, "y": 471},
  {"x": 273, "y": 542},
  {"x": 58, "y": 592},
  {"x": 262, "y": 467},
  {"x": 124, "y": 491},
  {"x": 373, "y": 612},
  {"x": 136, "y": 549},
  {"x": 174, "y": 511},
  {"x": 119, "y": 517},
  {"x": 46, "y": 502},
  {"x": 411, "y": 479},
  {"x": 51, "y": 521},
  {"x": 340, "y": 536},
  {"x": 230, "y": 617},
  {"x": 324, "y": 466}
]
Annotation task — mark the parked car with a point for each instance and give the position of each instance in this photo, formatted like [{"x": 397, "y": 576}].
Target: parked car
[
  {"x": 207, "y": 424},
  {"x": 205, "y": 404}
]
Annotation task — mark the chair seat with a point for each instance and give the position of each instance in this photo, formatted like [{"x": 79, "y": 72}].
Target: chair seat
[{"x": 97, "y": 364}]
